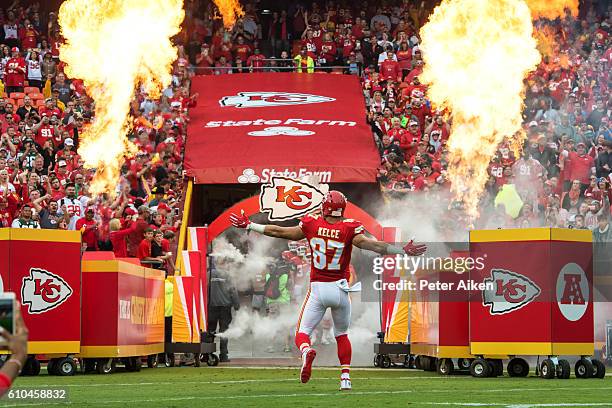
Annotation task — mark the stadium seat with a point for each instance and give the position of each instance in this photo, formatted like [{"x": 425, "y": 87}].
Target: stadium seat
[
  {"x": 31, "y": 89},
  {"x": 17, "y": 95},
  {"x": 11, "y": 101},
  {"x": 36, "y": 95},
  {"x": 19, "y": 102},
  {"x": 40, "y": 102},
  {"x": 4, "y": 95}
]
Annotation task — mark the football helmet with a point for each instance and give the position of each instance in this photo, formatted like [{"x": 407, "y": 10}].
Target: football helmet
[{"x": 333, "y": 204}]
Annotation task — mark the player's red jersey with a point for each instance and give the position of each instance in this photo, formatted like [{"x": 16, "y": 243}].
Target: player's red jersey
[{"x": 331, "y": 246}]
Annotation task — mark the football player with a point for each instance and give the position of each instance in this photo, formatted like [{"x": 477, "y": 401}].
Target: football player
[{"x": 331, "y": 238}]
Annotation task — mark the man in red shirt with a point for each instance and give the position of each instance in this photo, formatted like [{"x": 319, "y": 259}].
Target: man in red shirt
[
  {"x": 411, "y": 139},
  {"x": 579, "y": 165},
  {"x": 390, "y": 69},
  {"x": 256, "y": 61},
  {"x": 89, "y": 230},
  {"x": 142, "y": 223},
  {"x": 241, "y": 50},
  {"x": 14, "y": 72}
]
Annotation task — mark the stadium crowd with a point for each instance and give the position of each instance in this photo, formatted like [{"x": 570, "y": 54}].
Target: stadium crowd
[
  {"x": 43, "y": 181},
  {"x": 562, "y": 179}
]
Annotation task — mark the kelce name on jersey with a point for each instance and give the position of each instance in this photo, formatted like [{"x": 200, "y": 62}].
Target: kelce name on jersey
[{"x": 326, "y": 232}]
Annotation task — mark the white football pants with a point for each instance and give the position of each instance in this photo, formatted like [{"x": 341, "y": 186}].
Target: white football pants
[{"x": 320, "y": 296}]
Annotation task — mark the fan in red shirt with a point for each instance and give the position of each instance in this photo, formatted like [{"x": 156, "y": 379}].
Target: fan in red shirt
[
  {"x": 327, "y": 56},
  {"x": 50, "y": 109},
  {"x": 241, "y": 50},
  {"x": 14, "y": 72},
  {"x": 390, "y": 70},
  {"x": 579, "y": 165},
  {"x": 29, "y": 36},
  {"x": 89, "y": 230},
  {"x": 411, "y": 139},
  {"x": 256, "y": 61}
]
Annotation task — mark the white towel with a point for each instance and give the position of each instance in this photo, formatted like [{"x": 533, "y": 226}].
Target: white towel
[{"x": 343, "y": 284}]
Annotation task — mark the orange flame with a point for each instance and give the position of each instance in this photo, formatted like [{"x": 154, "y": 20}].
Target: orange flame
[
  {"x": 552, "y": 9},
  {"x": 230, "y": 11},
  {"x": 116, "y": 46},
  {"x": 477, "y": 53}
]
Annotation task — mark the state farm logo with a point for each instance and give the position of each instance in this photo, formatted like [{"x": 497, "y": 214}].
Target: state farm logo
[
  {"x": 511, "y": 291},
  {"x": 572, "y": 292},
  {"x": 43, "y": 291},
  {"x": 281, "y": 131},
  {"x": 248, "y": 176},
  {"x": 268, "y": 99},
  {"x": 285, "y": 198}
]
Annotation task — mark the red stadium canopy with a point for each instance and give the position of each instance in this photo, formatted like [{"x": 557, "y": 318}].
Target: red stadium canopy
[{"x": 247, "y": 128}]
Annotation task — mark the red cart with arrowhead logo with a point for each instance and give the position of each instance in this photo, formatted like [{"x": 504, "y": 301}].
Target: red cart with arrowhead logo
[
  {"x": 43, "y": 268},
  {"x": 538, "y": 301}
]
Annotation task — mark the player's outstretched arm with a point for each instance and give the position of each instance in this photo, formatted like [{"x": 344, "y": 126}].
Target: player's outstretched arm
[
  {"x": 383, "y": 248},
  {"x": 242, "y": 221}
]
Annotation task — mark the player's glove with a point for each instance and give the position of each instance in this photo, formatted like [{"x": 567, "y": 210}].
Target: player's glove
[
  {"x": 414, "y": 249},
  {"x": 239, "y": 221}
]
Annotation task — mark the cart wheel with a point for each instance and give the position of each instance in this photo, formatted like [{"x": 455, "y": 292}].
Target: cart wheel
[
  {"x": 445, "y": 366},
  {"x": 197, "y": 362},
  {"x": 583, "y": 368},
  {"x": 563, "y": 369},
  {"x": 547, "y": 369},
  {"x": 480, "y": 368},
  {"x": 105, "y": 365},
  {"x": 412, "y": 362},
  {"x": 377, "y": 360},
  {"x": 27, "y": 368},
  {"x": 497, "y": 368},
  {"x": 518, "y": 367},
  {"x": 89, "y": 365},
  {"x": 385, "y": 362},
  {"x": 169, "y": 359},
  {"x": 433, "y": 364},
  {"x": 213, "y": 360},
  {"x": 418, "y": 362},
  {"x": 33, "y": 366},
  {"x": 408, "y": 361},
  {"x": 152, "y": 361},
  {"x": 463, "y": 363},
  {"x": 599, "y": 369},
  {"x": 52, "y": 366},
  {"x": 65, "y": 366},
  {"x": 133, "y": 364}
]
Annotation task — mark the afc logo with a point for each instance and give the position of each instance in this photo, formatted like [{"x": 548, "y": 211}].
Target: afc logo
[
  {"x": 268, "y": 99},
  {"x": 285, "y": 198},
  {"x": 43, "y": 291},
  {"x": 511, "y": 291},
  {"x": 572, "y": 292}
]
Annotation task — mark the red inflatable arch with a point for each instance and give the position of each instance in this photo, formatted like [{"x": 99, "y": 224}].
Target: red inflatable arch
[{"x": 251, "y": 206}]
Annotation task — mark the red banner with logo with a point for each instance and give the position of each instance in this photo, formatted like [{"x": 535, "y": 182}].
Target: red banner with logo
[{"x": 248, "y": 128}]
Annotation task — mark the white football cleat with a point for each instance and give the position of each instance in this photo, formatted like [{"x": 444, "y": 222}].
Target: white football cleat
[{"x": 345, "y": 384}]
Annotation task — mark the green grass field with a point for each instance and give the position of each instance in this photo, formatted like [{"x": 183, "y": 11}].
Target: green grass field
[{"x": 277, "y": 387}]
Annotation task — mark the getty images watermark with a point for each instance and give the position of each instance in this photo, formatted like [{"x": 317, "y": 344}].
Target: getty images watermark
[{"x": 429, "y": 273}]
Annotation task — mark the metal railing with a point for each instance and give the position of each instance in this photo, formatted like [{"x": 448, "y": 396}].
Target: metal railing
[{"x": 272, "y": 65}]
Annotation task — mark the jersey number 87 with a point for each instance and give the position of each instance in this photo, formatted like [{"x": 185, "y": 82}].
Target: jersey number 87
[{"x": 319, "y": 248}]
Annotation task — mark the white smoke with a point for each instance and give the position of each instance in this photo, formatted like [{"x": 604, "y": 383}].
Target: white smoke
[{"x": 267, "y": 328}]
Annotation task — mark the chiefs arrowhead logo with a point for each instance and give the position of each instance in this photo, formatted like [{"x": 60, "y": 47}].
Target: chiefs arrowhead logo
[
  {"x": 268, "y": 99},
  {"x": 43, "y": 291},
  {"x": 286, "y": 198},
  {"x": 511, "y": 291}
]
